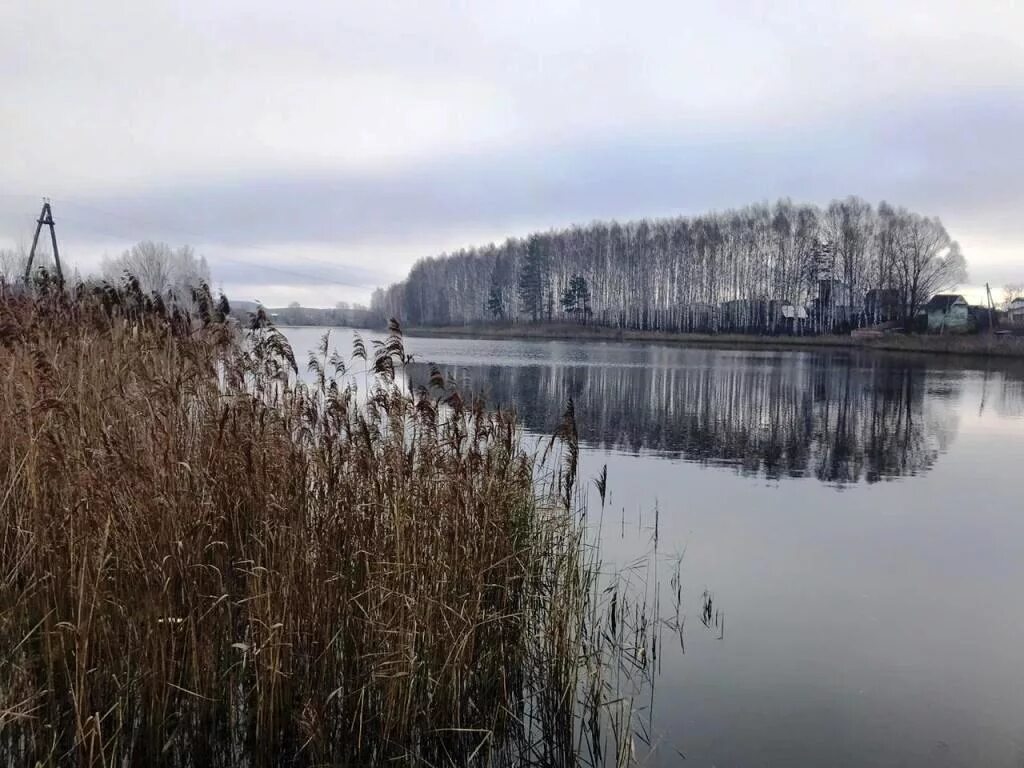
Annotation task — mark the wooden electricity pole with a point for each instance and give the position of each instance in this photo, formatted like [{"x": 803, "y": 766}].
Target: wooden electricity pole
[
  {"x": 991, "y": 306},
  {"x": 45, "y": 217}
]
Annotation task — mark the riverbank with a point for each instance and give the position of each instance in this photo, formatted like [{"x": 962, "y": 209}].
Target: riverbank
[{"x": 979, "y": 345}]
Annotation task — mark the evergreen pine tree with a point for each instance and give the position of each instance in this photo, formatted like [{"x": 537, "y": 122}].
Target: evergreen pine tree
[
  {"x": 576, "y": 297},
  {"x": 496, "y": 302},
  {"x": 532, "y": 279}
]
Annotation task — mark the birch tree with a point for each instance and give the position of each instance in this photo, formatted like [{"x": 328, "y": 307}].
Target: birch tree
[{"x": 732, "y": 269}]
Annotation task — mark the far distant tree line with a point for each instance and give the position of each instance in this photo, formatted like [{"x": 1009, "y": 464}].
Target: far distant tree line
[
  {"x": 157, "y": 267},
  {"x": 849, "y": 263},
  {"x": 343, "y": 313},
  {"x": 176, "y": 273}
]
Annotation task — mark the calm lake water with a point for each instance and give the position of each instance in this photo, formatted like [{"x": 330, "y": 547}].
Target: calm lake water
[{"x": 859, "y": 518}]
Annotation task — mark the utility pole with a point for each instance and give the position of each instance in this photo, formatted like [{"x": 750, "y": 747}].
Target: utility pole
[
  {"x": 991, "y": 304},
  {"x": 45, "y": 217}
]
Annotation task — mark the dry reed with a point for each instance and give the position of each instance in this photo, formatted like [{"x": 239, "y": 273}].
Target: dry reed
[{"x": 205, "y": 561}]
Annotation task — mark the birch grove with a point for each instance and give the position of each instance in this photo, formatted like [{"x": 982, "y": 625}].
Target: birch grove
[{"x": 732, "y": 270}]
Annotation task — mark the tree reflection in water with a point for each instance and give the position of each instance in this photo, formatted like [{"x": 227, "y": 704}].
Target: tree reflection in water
[{"x": 839, "y": 417}]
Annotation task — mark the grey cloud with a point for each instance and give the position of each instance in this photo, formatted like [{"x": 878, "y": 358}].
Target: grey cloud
[
  {"x": 956, "y": 157},
  {"x": 433, "y": 125},
  {"x": 286, "y": 269},
  {"x": 953, "y": 157}
]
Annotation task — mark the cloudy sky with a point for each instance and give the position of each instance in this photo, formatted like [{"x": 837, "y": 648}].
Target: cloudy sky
[{"x": 314, "y": 151}]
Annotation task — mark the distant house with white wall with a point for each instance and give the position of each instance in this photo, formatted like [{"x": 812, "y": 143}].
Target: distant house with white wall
[
  {"x": 947, "y": 312},
  {"x": 793, "y": 318},
  {"x": 1015, "y": 311}
]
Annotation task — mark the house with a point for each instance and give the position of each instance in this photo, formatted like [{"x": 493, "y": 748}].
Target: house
[
  {"x": 947, "y": 312},
  {"x": 883, "y": 305},
  {"x": 1015, "y": 311},
  {"x": 793, "y": 318}
]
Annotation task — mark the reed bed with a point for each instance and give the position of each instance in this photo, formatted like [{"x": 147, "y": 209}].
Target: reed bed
[{"x": 206, "y": 561}]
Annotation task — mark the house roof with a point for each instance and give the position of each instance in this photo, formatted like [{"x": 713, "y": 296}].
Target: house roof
[{"x": 941, "y": 302}]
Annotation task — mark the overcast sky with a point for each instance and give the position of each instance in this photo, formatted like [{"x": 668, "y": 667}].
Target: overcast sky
[{"x": 313, "y": 151}]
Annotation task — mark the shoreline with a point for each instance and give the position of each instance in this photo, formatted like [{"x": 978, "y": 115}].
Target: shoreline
[{"x": 972, "y": 346}]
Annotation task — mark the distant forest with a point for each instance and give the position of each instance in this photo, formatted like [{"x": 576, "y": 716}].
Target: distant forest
[{"x": 765, "y": 268}]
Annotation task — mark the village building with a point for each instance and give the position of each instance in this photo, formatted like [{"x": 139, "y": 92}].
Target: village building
[
  {"x": 1015, "y": 311},
  {"x": 793, "y": 319},
  {"x": 947, "y": 312}
]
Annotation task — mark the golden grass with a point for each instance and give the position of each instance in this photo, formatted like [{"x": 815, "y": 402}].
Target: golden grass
[{"x": 204, "y": 561}]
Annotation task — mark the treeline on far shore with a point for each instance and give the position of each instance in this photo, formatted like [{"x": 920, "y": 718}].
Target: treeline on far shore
[
  {"x": 768, "y": 267},
  {"x": 342, "y": 314}
]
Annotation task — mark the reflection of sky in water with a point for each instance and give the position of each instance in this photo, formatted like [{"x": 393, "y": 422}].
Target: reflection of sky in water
[{"x": 879, "y": 626}]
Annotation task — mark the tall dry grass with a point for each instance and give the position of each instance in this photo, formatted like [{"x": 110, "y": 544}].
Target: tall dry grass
[{"x": 204, "y": 561}]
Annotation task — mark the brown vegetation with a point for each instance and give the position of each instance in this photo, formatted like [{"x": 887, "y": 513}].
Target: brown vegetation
[{"x": 204, "y": 561}]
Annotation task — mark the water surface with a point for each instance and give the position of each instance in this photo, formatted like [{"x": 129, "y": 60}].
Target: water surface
[{"x": 859, "y": 518}]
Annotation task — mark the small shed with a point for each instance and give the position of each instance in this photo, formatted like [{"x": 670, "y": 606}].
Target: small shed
[
  {"x": 1015, "y": 311},
  {"x": 947, "y": 312},
  {"x": 794, "y": 318}
]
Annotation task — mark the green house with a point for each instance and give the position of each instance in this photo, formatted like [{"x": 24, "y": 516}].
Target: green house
[{"x": 947, "y": 313}]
